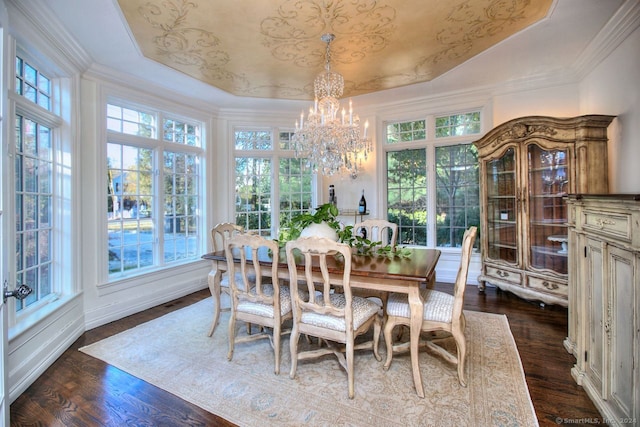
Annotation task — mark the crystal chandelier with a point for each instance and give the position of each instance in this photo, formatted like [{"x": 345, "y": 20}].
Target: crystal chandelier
[{"x": 329, "y": 138}]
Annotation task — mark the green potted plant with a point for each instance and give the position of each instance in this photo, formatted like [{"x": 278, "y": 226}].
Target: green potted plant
[{"x": 324, "y": 222}]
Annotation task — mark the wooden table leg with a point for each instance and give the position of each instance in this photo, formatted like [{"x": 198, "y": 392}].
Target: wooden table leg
[
  {"x": 214, "y": 286},
  {"x": 416, "y": 307}
]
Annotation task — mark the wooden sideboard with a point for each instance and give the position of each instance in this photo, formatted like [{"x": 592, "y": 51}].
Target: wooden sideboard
[{"x": 604, "y": 302}]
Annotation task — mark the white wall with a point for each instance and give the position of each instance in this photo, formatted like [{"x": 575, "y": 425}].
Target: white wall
[
  {"x": 613, "y": 87},
  {"x": 556, "y": 101}
]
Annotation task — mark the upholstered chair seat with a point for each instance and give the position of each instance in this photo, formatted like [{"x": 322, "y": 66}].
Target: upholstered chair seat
[
  {"x": 438, "y": 306},
  {"x": 363, "y": 310}
]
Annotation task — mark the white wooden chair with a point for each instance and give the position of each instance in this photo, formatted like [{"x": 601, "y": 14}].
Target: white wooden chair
[
  {"x": 252, "y": 300},
  {"x": 218, "y": 280},
  {"x": 378, "y": 230},
  {"x": 442, "y": 312},
  {"x": 331, "y": 316}
]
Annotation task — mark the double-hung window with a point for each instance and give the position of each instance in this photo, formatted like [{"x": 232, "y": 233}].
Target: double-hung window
[
  {"x": 432, "y": 178},
  {"x": 271, "y": 184},
  {"x": 153, "y": 189}
]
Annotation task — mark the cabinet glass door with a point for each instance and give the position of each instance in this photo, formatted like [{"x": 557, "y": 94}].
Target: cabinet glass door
[
  {"x": 548, "y": 184},
  {"x": 501, "y": 208}
]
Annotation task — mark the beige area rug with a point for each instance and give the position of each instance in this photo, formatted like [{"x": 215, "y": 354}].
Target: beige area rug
[{"x": 174, "y": 353}]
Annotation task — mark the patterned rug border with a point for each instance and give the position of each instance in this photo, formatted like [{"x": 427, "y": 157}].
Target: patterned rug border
[{"x": 250, "y": 394}]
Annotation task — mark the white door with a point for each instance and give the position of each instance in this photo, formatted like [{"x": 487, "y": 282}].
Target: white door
[{"x": 4, "y": 406}]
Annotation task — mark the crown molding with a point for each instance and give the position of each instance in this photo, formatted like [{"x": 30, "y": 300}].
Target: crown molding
[
  {"x": 618, "y": 28},
  {"x": 128, "y": 83},
  {"x": 34, "y": 26}
]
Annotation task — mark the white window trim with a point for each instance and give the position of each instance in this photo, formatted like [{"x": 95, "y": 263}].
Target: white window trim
[
  {"x": 107, "y": 283},
  {"x": 429, "y": 144},
  {"x": 275, "y": 154},
  {"x": 64, "y": 206}
]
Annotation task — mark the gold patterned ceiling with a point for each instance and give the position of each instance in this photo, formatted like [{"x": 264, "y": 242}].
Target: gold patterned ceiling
[{"x": 272, "y": 48}]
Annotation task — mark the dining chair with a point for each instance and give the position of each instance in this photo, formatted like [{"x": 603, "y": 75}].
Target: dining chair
[
  {"x": 378, "y": 230},
  {"x": 219, "y": 280},
  {"x": 256, "y": 299},
  {"x": 333, "y": 317},
  {"x": 442, "y": 312}
]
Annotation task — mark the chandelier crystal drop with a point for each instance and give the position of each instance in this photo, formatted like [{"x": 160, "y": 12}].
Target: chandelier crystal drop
[{"x": 331, "y": 139}]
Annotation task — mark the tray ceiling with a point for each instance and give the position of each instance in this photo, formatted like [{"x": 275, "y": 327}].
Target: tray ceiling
[{"x": 272, "y": 48}]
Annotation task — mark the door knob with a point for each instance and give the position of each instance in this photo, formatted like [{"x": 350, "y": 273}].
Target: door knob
[{"x": 21, "y": 292}]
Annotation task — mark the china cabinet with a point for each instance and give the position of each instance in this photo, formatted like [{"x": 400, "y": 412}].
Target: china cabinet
[
  {"x": 604, "y": 286},
  {"x": 527, "y": 166}
]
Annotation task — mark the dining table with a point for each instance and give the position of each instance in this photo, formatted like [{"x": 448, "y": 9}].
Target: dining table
[{"x": 405, "y": 272}]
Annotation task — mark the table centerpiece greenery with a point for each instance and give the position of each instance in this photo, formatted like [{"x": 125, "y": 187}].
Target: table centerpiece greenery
[{"x": 328, "y": 213}]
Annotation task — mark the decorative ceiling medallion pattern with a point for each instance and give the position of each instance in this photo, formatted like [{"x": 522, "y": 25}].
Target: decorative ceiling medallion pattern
[
  {"x": 272, "y": 48},
  {"x": 361, "y": 27}
]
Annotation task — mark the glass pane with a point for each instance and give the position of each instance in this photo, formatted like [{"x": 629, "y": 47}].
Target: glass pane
[
  {"x": 45, "y": 246},
  {"x": 457, "y": 188},
  {"x": 253, "y": 180},
  {"x": 458, "y": 124},
  {"x": 253, "y": 140},
  {"x": 406, "y": 131},
  {"x": 45, "y": 280},
  {"x": 30, "y": 92},
  {"x": 548, "y": 184},
  {"x": 500, "y": 177},
  {"x": 44, "y": 84},
  {"x": 407, "y": 194},
  {"x": 295, "y": 191},
  {"x": 30, "y": 74}
]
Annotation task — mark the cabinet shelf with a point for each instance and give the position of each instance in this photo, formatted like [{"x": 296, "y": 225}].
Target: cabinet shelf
[
  {"x": 548, "y": 168},
  {"x": 502, "y": 222},
  {"x": 503, "y": 245},
  {"x": 548, "y": 196},
  {"x": 549, "y": 222},
  {"x": 549, "y": 251},
  {"x": 502, "y": 197}
]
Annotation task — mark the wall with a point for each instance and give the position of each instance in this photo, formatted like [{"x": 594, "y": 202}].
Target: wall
[
  {"x": 556, "y": 101},
  {"x": 613, "y": 87}
]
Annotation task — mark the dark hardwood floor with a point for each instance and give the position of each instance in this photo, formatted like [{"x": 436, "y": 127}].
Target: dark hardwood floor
[{"x": 78, "y": 390}]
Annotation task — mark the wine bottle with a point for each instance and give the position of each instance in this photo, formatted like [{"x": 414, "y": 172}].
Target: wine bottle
[
  {"x": 332, "y": 195},
  {"x": 362, "y": 206}
]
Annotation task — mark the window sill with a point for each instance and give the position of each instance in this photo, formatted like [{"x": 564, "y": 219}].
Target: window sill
[{"x": 123, "y": 283}]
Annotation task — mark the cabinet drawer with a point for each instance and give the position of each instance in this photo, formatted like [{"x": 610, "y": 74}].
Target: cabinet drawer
[
  {"x": 506, "y": 275},
  {"x": 551, "y": 286},
  {"x": 608, "y": 224}
]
